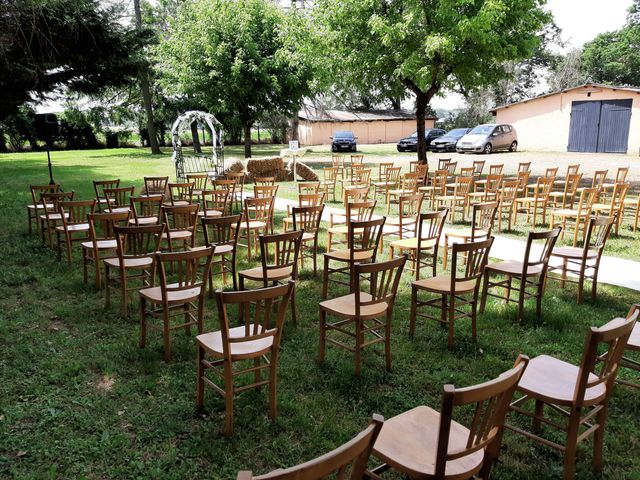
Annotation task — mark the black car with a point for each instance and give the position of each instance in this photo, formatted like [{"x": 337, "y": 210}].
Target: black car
[
  {"x": 410, "y": 143},
  {"x": 447, "y": 143},
  {"x": 343, "y": 141}
]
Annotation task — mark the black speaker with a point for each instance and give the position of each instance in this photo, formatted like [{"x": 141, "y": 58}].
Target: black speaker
[{"x": 47, "y": 126}]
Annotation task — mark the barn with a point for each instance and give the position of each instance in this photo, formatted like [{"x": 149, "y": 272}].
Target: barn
[
  {"x": 588, "y": 118},
  {"x": 315, "y": 127}
]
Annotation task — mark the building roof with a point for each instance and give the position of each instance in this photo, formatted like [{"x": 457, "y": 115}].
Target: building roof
[
  {"x": 311, "y": 114},
  {"x": 586, "y": 87}
]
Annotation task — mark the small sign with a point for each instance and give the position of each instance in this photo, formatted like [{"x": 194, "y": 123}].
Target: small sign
[{"x": 293, "y": 145}]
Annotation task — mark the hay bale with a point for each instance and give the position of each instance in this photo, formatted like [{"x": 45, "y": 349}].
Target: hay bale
[
  {"x": 303, "y": 171},
  {"x": 236, "y": 166},
  {"x": 267, "y": 167}
]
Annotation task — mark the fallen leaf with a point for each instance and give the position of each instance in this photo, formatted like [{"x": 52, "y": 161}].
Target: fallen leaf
[{"x": 21, "y": 453}]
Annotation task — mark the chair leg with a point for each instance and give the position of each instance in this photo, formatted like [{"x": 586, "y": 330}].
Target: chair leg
[
  {"x": 323, "y": 333},
  {"x": 446, "y": 251},
  {"x": 571, "y": 445},
  {"x": 521, "y": 293},
  {"x": 414, "y": 309},
  {"x": 273, "y": 387},
  {"x": 325, "y": 278},
  {"x": 598, "y": 438},
  {"x": 485, "y": 288},
  {"x": 451, "y": 315},
  {"x": 387, "y": 339},
  {"x": 536, "y": 423},
  {"x": 107, "y": 293},
  {"x": 166, "y": 340},
  {"x": 200, "y": 380},
  {"x": 143, "y": 322},
  {"x": 294, "y": 316},
  {"x": 594, "y": 282},
  {"x": 358, "y": 350},
  {"x": 228, "y": 399}
]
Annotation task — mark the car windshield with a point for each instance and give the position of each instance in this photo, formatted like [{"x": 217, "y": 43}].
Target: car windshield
[
  {"x": 482, "y": 130},
  {"x": 413, "y": 135},
  {"x": 343, "y": 135},
  {"x": 457, "y": 132}
]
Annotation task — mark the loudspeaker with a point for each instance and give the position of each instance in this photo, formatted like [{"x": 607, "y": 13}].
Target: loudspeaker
[{"x": 47, "y": 126}]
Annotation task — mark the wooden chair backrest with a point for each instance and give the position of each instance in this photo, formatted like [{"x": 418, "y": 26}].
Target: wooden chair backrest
[
  {"x": 493, "y": 183},
  {"x": 361, "y": 176},
  {"x": 215, "y": 200},
  {"x": 409, "y": 206},
  {"x": 180, "y": 217},
  {"x": 181, "y": 192},
  {"x": 280, "y": 251},
  {"x": 617, "y": 199},
  {"x": 220, "y": 231},
  {"x": 523, "y": 180},
  {"x": 77, "y": 211},
  {"x": 462, "y": 186},
  {"x": 484, "y": 215},
  {"x": 356, "y": 194},
  {"x": 597, "y": 235},
  {"x": 155, "y": 185},
  {"x": 384, "y": 281},
  {"x": 478, "y": 167},
  {"x": 330, "y": 174},
  {"x": 410, "y": 181},
  {"x": 491, "y": 403},
  {"x": 146, "y": 206},
  {"x": 393, "y": 174},
  {"x": 543, "y": 188},
  {"x": 587, "y": 198},
  {"x": 118, "y": 197},
  {"x": 614, "y": 334},
  {"x": 524, "y": 167},
  {"x": 187, "y": 270},
  {"x": 413, "y": 165},
  {"x": 226, "y": 184},
  {"x": 439, "y": 181},
  {"x": 364, "y": 236},
  {"x": 357, "y": 158},
  {"x": 430, "y": 226},
  {"x": 36, "y": 190},
  {"x": 267, "y": 181},
  {"x": 548, "y": 240},
  {"x": 621, "y": 174},
  {"x": 551, "y": 172},
  {"x": 599, "y": 178},
  {"x": 360, "y": 211},
  {"x": 383, "y": 167},
  {"x": 255, "y": 314},
  {"x": 308, "y": 187},
  {"x": 451, "y": 168},
  {"x": 466, "y": 172},
  {"x": 496, "y": 169},
  {"x": 337, "y": 161},
  {"x": 422, "y": 170},
  {"x": 477, "y": 256},
  {"x": 571, "y": 183},
  {"x": 573, "y": 169},
  {"x": 508, "y": 192},
  {"x": 310, "y": 199},
  {"x": 237, "y": 177},
  {"x": 50, "y": 201},
  {"x": 100, "y": 185},
  {"x": 138, "y": 241},
  {"x": 307, "y": 218},
  {"x": 102, "y": 225},
  {"x": 265, "y": 191},
  {"x": 442, "y": 163},
  {"x": 200, "y": 180},
  {"x": 258, "y": 209}
]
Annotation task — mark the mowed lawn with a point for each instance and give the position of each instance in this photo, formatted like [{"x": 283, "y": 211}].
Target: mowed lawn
[{"x": 79, "y": 399}]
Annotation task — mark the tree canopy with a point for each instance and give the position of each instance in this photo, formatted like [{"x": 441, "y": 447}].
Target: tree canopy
[
  {"x": 235, "y": 57},
  {"x": 614, "y": 57}
]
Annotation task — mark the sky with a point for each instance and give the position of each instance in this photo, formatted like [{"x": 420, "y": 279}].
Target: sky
[{"x": 580, "y": 21}]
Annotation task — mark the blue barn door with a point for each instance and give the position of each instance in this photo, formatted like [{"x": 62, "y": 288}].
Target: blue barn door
[
  {"x": 583, "y": 129},
  {"x": 615, "y": 117}
]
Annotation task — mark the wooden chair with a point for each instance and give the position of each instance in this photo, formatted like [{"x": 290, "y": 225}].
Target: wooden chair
[
  {"x": 349, "y": 458},
  {"x": 422, "y": 169},
  {"x": 571, "y": 170},
  {"x": 304, "y": 200},
  {"x": 238, "y": 190},
  {"x": 181, "y": 222},
  {"x": 279, "y": 256},
  {"x": 388, "y": 180},
  {"x": 254, "y": 341},
  {"x": 490, "y": 193},
  {"x": 267, "y": 192},
  {"x": 98, "y": 188},
  {"x": 74, "y": 216},
  {"x": 182, "y": 278},
  {"x": 356, "y": 211},
  {"x": 230, "y": 186},
  {"x": 363, "y": 239},
  {"x": 404, "y": 225},
  {"x": 255, "y": 221},
  {"x": 551, "y": 172},
  {"x": 442, "y": 163},
  {"x": 308, "y": 188},
  {"x": 451, "y": 167},
  {"x": 146, "y": 209},
  {"x": 529, "y": 273},
  {"x": 455, "y": 290},
  {"x": 382, "y": 172},
  {"x": 328, "y": 183},
  {"x": 425, "y": 443},
  {"x": 181, "y": 193},
  {"x": 364, "y": 316},
  {"x": 493, "y": 170},
  {"x": 467, "y": 172},
  {"x": 584, "y": 262},
  {"x": 35, "y": 208},
  {"x": 118, "y": 199},
  {"x": 632, "y": 208},
  {"x": 633, "y": 345},
  {"x": 621, "y": 177},
  {"x": 524, "y": 167},
  {"x": 337, "y": 162},
  {"x": 136, "y": 246},
  {"x": 566, "y": 197},
  {"x": 423, "y": 248},
  {"x": 478, "y": 168},
  {"x": 353, "y": 174},
  {"x": 102, "y": 243},
  {"x": 437, "y": 188},
  {"x": 506, "y": 203},
  {"x": 574, "y": 393},
  {"x": 535, "y": 205},
  {"x": 483, "y": 218},
  {"x": 357, "y": 159},
  {"x": 409, "y": 186},
  {"x": 523, "y": 184},
  {"x": 308, "y": 220},
  {"x": 614, "y": 209},
  {"x": 459, "y": 201},
  {"x": 214, "y": 203},
  {"x": 359, "y": 179},
  {"x": 578, "y": 217},
  {"x": 597, "y": 181},
  {"x": 267, "y": 181},
  {"x": 155, "y": 186},
  {"x": 50, "y": 217},
  {"x": 201, "y": 182},
  {"x": 221, "y": 233}
]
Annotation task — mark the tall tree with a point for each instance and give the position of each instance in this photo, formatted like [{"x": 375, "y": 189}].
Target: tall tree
[
  {"x": 236, "y": 57},
  {"x": 145, "y": 90},
  {"x": 425, "y": 46},
  {"x": 614, "y": 57}
]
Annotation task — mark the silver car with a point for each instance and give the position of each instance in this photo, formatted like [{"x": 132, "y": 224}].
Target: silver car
[{"x": 488, "y": 138}]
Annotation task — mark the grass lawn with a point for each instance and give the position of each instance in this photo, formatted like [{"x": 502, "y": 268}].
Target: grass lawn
[{"x": 79, "y": 399}]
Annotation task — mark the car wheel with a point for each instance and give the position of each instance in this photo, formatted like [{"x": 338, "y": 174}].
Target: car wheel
[
  {"x": 514, "y": 146},
  {"x": 487, "y": 149}
]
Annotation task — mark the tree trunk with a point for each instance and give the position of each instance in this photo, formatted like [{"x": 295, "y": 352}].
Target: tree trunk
[
  {"x": 421, "y": 111},
  {"x": 195, "y": 136},
  {"x": 246, "y": 129},
  {"x": 145, "y": 89},
  {"x": 3, "y": 143},
  {"x": 295, "y": 122}
]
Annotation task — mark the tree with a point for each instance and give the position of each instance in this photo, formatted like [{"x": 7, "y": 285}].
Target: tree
[
  {"x": 235, "y": 57},
  {"x": 425, "y": 46},
  {"x": 48, "y": 44},
  {"x": 614, "y": 57},
  {"x": 568, "y": 72}
]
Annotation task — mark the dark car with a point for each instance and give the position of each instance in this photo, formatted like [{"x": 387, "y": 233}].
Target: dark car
[
  {"x": 447, "y": 142},
  {"x": 343, "y": 141},
  {"x": 410, "y": 143}
]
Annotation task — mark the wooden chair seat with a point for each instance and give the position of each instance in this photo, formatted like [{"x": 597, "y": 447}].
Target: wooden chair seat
[
  {"x": 554, "y": 381},
  {"x": 627, "y": 201},
  {"x": 395, "y": 221},
  {"x": 107, "y": 244},
  {"x": 212, "y": 343},
  {"x": 210, "y": 213},
  {"x": 447, "y": 198},
  {"x": 77, "y": 227},
  {"x": 120, "y": 210},
  {"x": 513, "y": 267},
  {"x": 177, "y": 234},
  {"x": 154, "y": 294},
  {"x": 253, "y": 224},
  {"x": 572, "y": 252},
  {"x": 153, "y": 220},
  {"x": 442, "y": 284},
  {"x": 307, "y": 236},
  {"x": 400, "y": 192},
  {"x": 344, "y": 255},
  {"x": 565, "y": 212},
  {"x": 53, "y": 216},
  {"x": 272, "y": 275},
  {"x": 412, "y": 243},
  {"x": 409, "y": 443},
  {"x": 465, "y": 233},
  {"x": 177, "y": 203},
  {"x": 39, "y": 206},
  {"x": 597, "y": 207},
  {"x": 129, "y": 262},
  {"x": 345, "y": 306}
]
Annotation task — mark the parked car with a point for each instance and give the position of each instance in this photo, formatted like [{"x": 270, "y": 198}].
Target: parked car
[
  {"x": 488, "y": 138},
  {"x": 343, "y": 140},
  {"x": 447, "y": 142},
  {"x": 410, "y": 143}
]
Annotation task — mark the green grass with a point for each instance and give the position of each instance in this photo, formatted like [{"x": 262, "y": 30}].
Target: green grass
[{"x": 79, "y": 399}]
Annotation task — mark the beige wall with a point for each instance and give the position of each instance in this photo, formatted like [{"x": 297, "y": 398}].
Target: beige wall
[
  {"x": 543, "y": 123},
  {"x": 318, "y": 133}
]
